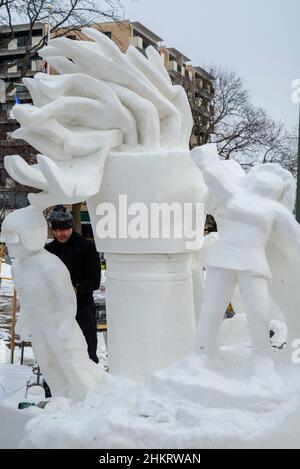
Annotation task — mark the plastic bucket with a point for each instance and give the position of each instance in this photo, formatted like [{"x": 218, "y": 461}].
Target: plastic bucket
[{"x": 14, "y": 379}]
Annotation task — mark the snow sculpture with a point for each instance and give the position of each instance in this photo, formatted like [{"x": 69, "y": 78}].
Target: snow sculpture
[
  {"x": 48, "y": 307},
  {"x": 112, "y": 124},
  {"x": 258, "y": 248}
]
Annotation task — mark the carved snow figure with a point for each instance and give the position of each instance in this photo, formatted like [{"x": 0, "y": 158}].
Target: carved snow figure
[
  {"x": 113, "y": 124},
  {"x": 48, "y": 307},
  {"x": 258, "y": 248}
]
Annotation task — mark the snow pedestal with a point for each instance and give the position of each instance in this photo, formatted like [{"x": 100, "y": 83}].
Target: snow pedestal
[
  {"x": 150, "y": 311},
  {"x": 184, "y": 406},
  {"x": 187, "y": 405},
  {"x": 149, "y": 292}
]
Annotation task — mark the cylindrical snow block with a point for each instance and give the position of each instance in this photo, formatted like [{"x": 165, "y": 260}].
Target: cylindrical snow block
[{"x": 150, "y": 312}]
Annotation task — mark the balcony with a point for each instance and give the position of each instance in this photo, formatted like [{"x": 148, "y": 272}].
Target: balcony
[
  {"x": 136, "y": 41},
  {"x": 172, "y": 66},
  {"x": 149, "y": 37},
  {"x": 4, "y": 52}
]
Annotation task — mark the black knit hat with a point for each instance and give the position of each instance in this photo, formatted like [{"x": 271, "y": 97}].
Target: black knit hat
[{"x": 60, "y": 218}]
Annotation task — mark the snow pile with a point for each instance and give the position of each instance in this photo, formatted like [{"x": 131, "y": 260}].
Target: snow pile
[
  {"x": 188, "y": 405},
  {"x": 185, "y": 406}
]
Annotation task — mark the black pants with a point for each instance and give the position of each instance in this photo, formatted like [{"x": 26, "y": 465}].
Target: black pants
[{"x": 86, "y": 318}]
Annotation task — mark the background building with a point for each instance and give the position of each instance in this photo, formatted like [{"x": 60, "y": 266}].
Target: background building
[{"x": 15, "y": 63}]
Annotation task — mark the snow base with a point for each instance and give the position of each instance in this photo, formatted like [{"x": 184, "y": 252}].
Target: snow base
[{"x": 184, "y": 406}]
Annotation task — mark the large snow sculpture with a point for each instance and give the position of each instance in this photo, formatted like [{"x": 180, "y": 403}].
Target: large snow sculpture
[
  {"x": 258, "y": 248},
  {"x": 48, "y": 307},
  {"x": 109, "y": 125}
]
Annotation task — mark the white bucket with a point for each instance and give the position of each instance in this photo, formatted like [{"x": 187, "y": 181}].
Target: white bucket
[{"x": 14, "y": 379}]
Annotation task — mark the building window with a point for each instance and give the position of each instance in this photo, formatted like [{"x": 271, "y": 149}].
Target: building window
[
  {"x": 72, "y": 36},
  {"x": 2, "y": 182},
  {"x": 22, "y": 41},
  {"x": 24, "y": 65},
  {"x": 108, "y": 34}
]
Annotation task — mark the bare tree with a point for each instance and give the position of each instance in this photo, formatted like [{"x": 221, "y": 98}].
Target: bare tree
[
  {"x": 245, "y": 132},
  {"x": 202, "y": 119},
  {"x": 279, "y": 146},
  {"x": 65, "y": 15},
  {"x": 237, "y": 125}
]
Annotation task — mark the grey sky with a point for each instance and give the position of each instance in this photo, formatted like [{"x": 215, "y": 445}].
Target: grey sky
[{"x": 260, "y": 39}]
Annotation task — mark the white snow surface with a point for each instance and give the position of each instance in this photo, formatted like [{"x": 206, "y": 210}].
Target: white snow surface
[
  {"x": 4, "y": 352},
  {"x": 187, "y": 405},
  {"x": 6, "y": 286}
]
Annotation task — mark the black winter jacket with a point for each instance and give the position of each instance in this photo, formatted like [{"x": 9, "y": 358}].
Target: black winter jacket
[{"x": 82, "y": 260}]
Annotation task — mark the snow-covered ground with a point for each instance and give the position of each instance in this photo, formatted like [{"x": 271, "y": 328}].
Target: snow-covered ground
[
  {"x": 182, "y": 407},
  {"x": 185, "y": 406},
  {"x": 4, "y": 352},
  {"x": 6, "y": 286},
  {"x": 6, "y": 293}
]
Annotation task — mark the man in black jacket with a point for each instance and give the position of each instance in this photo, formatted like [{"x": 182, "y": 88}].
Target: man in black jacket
[{"x": 82, "y": 260}]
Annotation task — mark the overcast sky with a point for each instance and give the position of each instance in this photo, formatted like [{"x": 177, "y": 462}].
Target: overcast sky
[{"x": 260, "y": 39}]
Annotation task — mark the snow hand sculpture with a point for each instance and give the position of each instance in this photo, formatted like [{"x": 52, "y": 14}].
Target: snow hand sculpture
[
  {"x": 113, "y": 124},
  {"x": 103, "y": 99}
]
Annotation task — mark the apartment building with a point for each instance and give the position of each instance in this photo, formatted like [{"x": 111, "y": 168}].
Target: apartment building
[
  {"x": 201, "y": 99},
  {"x": 14, "y": 58}
]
